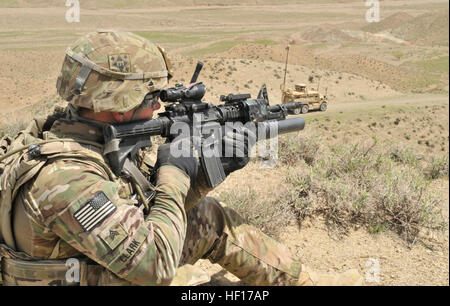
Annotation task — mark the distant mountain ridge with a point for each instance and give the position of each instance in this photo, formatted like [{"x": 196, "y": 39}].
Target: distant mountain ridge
[{"x": 425, "y": 29}]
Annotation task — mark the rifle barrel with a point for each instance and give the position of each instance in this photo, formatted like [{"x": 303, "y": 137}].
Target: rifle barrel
[{"x": 284, "y": 126}]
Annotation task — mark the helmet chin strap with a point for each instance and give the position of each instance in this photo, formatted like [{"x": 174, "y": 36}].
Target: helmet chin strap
[{"x": 81, "y": 79}]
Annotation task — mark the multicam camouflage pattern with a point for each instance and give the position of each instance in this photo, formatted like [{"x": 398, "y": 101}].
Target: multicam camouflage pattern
[
  {"x": 189, "y": 275},
  {"x": 241, "y": 249},
  {"x": 19, "y": 269},
  {"x": 144, "y": 250},
  {"x": 120, "y": 52},
  {"x": 15, "y": 170},
  {"x": 68, "y": 179}
]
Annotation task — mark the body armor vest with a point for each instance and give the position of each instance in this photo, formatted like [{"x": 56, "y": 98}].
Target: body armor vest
[{"x": 21, "y": 159}]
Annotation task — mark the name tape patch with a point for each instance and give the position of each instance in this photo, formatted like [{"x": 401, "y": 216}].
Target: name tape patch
[{"x": 94, "y": 211}]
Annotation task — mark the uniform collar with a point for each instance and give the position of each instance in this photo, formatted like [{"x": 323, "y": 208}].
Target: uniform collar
[{"x": 64, "y": 128}]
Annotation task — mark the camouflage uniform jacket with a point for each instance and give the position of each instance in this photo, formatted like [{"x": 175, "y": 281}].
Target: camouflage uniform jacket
[{"x": 75, "y": 207}]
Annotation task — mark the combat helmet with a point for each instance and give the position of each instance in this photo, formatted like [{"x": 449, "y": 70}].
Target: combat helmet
[{"x": 112, "y": 71}]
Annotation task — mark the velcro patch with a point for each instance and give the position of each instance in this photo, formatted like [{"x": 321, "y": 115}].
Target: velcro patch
[
  {"x": 113, "y": 235},
  {"x": 94, "y": 211},
  {"x": 120, "y": 62}
]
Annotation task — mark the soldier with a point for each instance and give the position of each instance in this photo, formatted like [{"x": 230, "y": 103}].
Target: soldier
[{"x": 60, "y": 199}]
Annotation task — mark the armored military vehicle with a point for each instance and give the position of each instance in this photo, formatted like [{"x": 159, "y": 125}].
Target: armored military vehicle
[{"x": 311, "y": 99}]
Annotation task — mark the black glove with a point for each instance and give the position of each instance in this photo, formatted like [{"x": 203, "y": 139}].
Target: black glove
[
  {"x": 180, "y": 154},
  {"x": 240, "y": 143}
]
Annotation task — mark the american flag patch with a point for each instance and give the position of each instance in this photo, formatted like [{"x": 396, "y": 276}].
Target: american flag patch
[{"x": 94, "y": 211}]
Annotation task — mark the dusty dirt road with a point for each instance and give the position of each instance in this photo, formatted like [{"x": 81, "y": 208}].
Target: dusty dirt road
[{"x": 403, "y": 101}]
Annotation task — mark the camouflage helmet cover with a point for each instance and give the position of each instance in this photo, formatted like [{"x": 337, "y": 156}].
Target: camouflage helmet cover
[{"x": 112, "y": 71}]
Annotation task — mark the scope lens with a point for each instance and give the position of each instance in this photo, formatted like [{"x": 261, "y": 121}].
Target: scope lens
[
  {"x": 163, "y": 96},
  {"x": 169, "y": 95}
]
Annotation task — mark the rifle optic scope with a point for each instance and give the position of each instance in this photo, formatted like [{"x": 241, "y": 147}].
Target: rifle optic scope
[{"x": 181, "y": 93}]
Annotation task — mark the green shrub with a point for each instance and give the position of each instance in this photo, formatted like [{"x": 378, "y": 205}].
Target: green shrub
[
  {"x": 437, "y": 168},
  {"x": 357, "y": 185},
  {"x": 268, "y": 216},
  {"x": 400, "y": 154},
  {"x": 295, "y": 148}
]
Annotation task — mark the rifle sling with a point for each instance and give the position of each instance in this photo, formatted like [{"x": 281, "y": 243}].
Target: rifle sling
[{"x": 140, "y": 180}]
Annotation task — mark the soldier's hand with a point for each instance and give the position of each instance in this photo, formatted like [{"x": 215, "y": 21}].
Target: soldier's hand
[
  {"x": 236, "y": 148},
  {"x": 181, "y": 154}
]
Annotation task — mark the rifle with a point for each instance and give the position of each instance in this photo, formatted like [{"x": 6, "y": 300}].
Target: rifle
[{"x": 186, "y": 107}]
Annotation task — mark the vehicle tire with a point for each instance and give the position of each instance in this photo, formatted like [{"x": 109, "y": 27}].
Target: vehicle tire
[
  {"x": 305, "y": 109},
  {"x": 323, "y": 106},
  {"x": 296, "y": 111}
]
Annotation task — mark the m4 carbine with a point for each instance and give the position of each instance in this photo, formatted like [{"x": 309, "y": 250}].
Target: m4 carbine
[{"x": 186, "y": 107}]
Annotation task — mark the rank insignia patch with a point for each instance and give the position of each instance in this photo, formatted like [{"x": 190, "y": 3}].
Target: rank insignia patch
[
  {"x": 120, "y": 62},
  {"x": 94, "y": 211},
  {"x": 113, "y": 235}
]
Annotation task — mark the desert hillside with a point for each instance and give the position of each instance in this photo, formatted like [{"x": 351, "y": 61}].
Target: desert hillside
[
  {"x": 367, "y": 179},
  {"x": 104, "y": 4}
]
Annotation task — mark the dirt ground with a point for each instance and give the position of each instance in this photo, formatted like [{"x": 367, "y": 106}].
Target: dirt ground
[{"x": 373, "y": 72}]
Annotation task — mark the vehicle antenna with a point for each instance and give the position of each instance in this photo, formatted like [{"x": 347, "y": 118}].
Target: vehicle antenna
[{"x": 285, "y": 69}]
